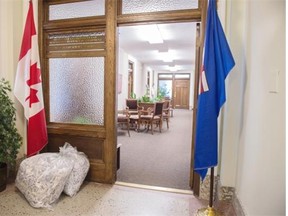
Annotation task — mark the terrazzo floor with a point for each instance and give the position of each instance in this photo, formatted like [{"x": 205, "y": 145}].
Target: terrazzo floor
[{"x": 107, "y": 200}]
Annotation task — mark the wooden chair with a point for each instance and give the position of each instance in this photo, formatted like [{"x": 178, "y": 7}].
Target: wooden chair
[
  {"x": 124, "y": 119},
  {"x": 149, "y": 118},
  {"x": 166, "y": 112},
  {"x": 132, "y": 106}
]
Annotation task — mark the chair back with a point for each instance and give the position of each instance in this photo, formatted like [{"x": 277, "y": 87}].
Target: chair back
[
  {"x": 132, "y": 104},
  {"x": 166, "y": 104},
  {"x": 158, "y": 108}
]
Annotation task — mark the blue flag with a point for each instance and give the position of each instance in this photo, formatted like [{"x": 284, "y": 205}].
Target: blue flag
[{"x": 218, "y": 61}]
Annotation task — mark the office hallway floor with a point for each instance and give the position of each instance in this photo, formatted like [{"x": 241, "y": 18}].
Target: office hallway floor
[
  {"x": 95, "y": 199},
  {"x": 162, "y": 159}
]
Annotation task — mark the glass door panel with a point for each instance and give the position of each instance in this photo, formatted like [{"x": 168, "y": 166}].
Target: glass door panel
[
  {"x": 77, "y": 90},
  {"x": 165, "y": 88}
]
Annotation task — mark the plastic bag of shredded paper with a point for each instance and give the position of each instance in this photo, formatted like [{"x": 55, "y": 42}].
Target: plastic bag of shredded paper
[
  {"x": 79, "y": 171},
  {"x": 41, "y": 178}
]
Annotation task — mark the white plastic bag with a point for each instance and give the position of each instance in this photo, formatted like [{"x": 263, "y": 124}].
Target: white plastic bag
[
  {"x": 79, "y": 171},
  {"x": 42, "y": 178}
]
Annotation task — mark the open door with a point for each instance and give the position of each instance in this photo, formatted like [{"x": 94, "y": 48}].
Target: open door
[{"x": 200, "y": 35}]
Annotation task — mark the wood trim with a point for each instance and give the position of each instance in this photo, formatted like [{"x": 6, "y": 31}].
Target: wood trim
[
  {"x": 110, "y": 145},
  {"x": 196, "y": 178},
  {"x": 42, "y": 50},
  {"x": 119, "y": 7},
  {"x": 193, "y": 178},
  {"x": 203, "y": 26},
  {"x": 75, "y": 129},
  {"x": 163, "y": 16},
  {"x": 63, "y": 1},
  {"x": 75, "y": 22},
  {"x": 76, "y": 54}
]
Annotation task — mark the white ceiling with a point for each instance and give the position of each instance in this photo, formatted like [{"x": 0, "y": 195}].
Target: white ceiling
[{"x": 179, "y": 39}]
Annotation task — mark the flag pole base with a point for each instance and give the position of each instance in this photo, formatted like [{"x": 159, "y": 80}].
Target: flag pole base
[{"x": 209, "y": 211}]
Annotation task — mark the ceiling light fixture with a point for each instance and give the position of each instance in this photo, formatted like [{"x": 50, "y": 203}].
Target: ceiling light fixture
[
  {"x": 167, "y": 56},
  {"x": 175, "y": 68},
  {"x": 151, "y": 33}
]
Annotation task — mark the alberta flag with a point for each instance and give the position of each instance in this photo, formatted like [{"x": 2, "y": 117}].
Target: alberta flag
[
  {"x": 218, "y": 61},
  {"x": 28, "y": 87}
]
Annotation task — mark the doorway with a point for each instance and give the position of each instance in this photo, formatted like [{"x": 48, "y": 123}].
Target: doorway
[
  {"x": 93, "y": 35},
  {"x": 130, "y": 79},
  {"x": 176, "y": 87},
  {"x": 181, "y": 96},
  {"x": 162, "y": 159}
]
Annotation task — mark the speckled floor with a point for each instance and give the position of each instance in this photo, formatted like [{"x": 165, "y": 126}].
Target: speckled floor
[{"x": 105, "y": 200}]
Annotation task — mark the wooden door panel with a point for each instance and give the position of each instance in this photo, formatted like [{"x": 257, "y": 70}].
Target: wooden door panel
[
  {"x": 181, "y": 94},
  {"x": 93, "y": 148}
]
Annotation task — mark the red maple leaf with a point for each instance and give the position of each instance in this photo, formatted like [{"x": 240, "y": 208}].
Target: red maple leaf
[{"x": 35, "y": 74}]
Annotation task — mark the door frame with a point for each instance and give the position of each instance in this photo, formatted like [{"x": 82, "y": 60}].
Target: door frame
[
  {"x": 191, "y": 15},
  {"x": 106, "y": 170},
  {"x": 130, "y": 78}
]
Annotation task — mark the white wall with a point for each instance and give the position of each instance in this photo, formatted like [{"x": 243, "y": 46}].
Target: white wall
[
  {"x": 123, "y": 70},
  {"x": 253, "y": 156},
  {"x": 139, "y": 77},
  {"x": 235, "y": 86},
  {"x": 11, "y": 25},
  {"x": 12, "y": 20}
]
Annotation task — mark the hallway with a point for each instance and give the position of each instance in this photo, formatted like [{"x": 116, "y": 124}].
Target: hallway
[{"x": 162, "y": 159}]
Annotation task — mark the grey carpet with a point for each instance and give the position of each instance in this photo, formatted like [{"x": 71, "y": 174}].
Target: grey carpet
[{"x": 162, "y": 159}]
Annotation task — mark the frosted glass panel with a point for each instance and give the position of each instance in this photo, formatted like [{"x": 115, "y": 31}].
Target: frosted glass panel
[
  {"x": 77, "y": 10},
  {"x": 182, "y": 76},
  {"x": 165, "y": 76},
  {"x": 77, "y": 90},
  {"x": 142, "y": 6}
]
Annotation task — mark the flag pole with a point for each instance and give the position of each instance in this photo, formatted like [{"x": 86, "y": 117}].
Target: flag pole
[
  {"x": 211, "y": 188},
  {"x": 210, "y": 210}
]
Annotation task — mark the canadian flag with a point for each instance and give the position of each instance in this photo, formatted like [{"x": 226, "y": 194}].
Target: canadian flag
[{"x": 28, "y": 87}]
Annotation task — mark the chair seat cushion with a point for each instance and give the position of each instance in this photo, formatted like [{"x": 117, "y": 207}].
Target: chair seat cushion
[
  {"x": 135, "y": 117},
  {"x": 147, "y": 117}
]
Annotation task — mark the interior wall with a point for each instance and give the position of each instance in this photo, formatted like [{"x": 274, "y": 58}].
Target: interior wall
[
  {"x": 123, "y": 71},
  {"x": 139, "y": 77},
  {"x": 139, "y": 83},
  {"x": 11, "y": 25},
  {"x": 254, "y": 123},
  {"x": 145, "y": 74},
  {"x": 231, "y": 117}
]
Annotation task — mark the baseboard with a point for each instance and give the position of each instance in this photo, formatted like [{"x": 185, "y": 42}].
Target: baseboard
[
  {"x": 229, "y": 194},
  {"x": 238, "y": 207},
  {"x": 225, "y": 193},
  {"x": 205, "y": 187}
]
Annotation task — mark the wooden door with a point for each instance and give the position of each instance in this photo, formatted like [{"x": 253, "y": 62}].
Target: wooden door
[
  {"x": 130, "y": 79},
  {"x": 181, "y": 94}
]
